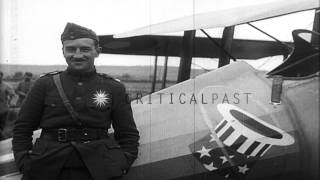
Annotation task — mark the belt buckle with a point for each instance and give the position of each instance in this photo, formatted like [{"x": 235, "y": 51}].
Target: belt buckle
[
  {"x": 62, "y": 135},
  {"x": 84, "y": 136}
]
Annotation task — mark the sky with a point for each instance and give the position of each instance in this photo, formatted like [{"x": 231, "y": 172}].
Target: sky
[{"x": 31, "y": 29}]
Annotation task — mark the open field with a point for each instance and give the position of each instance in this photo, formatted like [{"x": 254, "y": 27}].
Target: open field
[{"x": 120, "y": 72}]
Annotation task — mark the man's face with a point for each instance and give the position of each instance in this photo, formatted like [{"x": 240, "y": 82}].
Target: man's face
[{"x": 80, "y": 54}]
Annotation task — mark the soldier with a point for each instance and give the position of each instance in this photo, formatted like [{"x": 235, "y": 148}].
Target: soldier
[
  {"x": 75, "y": 108},
  {"x": 6, "y": 93},
  {"x": 23, "y": 88}
]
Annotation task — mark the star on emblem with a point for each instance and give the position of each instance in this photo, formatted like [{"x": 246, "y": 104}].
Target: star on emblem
[
  {"x": 204, "y": 152},
  {"x": 243, "y": 169},
  {"x": 212, "y": 138},
  {"x": 224, "y": 159},
  {"x": 210, "y": 167},
  {"x": 100, "y": 98}
]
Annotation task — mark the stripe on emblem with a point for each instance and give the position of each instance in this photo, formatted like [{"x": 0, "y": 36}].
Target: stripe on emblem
[
  {"x": 221, "y": 126},
  {"x": 240, "y": 140},
  {"x": 251, "y": 148},
  {"x": 263, "y": 149},
  {"x": 226, "y": 134}
]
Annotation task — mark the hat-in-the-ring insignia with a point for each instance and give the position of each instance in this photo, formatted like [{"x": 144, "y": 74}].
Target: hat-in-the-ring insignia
[{"x": 247, "y": 134}]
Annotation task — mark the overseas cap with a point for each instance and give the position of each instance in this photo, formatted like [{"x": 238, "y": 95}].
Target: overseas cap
[{"x": 73, "y": 31}]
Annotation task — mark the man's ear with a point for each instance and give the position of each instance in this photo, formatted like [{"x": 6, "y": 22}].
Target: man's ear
[
  {"x": 98, "y": 50},
  {"x": 63, "y": 52},
  {"x": 62, "y": 49}
]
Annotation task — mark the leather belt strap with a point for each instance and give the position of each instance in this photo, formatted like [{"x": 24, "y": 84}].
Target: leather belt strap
[
  {"x": 74, "y": 134},
  {"x": 65, "y": 100}
]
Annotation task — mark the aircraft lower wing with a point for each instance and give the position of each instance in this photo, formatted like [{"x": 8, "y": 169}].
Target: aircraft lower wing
[
  {"x": 220, "y": 125},
  {"x": 243, "y": 13}
]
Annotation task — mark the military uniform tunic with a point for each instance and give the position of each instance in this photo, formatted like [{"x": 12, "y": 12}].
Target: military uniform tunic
[
  {"x": 99, "y": 101},
  {"x": 23, "y": 87}
]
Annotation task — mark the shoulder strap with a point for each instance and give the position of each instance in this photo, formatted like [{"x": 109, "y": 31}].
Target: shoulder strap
[
  {"x": 109, "y": 77},
  {"x": 66, "y": 102},
  {"x": 50, "y": 73}
]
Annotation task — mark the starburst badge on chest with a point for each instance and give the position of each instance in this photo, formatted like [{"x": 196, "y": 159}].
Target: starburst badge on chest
[{"x": 101, "y": 98}]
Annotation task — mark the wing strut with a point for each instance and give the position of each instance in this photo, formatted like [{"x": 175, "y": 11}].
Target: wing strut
[
  {"x": 316, "y": 28},
  {"x": 217, "y": 44},
  {"x": 164, "y": 76},
  {"x": 154, "y": 80},
  {"x": 226, "y": 43},
  {"x": 289, "y": 48},
  {"x": 187, "y": 51}
]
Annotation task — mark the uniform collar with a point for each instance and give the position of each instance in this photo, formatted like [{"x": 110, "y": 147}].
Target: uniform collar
[{"x": 78, "y": 74}]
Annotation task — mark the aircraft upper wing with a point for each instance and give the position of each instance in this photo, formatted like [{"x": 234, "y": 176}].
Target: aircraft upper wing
[
  {"x": 226, "y": 17},
  {"x": 172, "y": 45}
]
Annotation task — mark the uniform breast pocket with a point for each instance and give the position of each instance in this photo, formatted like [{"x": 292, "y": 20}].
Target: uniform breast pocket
[{"x": 53, "y": 107}]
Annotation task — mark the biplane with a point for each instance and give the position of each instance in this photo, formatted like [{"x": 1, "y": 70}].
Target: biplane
[{"x": 234, "y": 122}]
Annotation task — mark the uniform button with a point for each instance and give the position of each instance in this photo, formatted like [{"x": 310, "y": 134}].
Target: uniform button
[
  {"x": 78, "y": 98},
  {"x": 80, "y": 83}
]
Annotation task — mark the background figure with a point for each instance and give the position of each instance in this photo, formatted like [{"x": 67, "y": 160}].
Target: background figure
[
  {"x": 23, "y": 88},
  {"x": 6, "y": 93}
]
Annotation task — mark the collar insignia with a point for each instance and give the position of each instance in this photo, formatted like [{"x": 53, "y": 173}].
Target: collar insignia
[{"x": 101, "y": 98}]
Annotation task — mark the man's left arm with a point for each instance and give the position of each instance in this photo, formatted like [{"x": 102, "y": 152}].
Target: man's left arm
[{"x": 125, "y": 130}]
